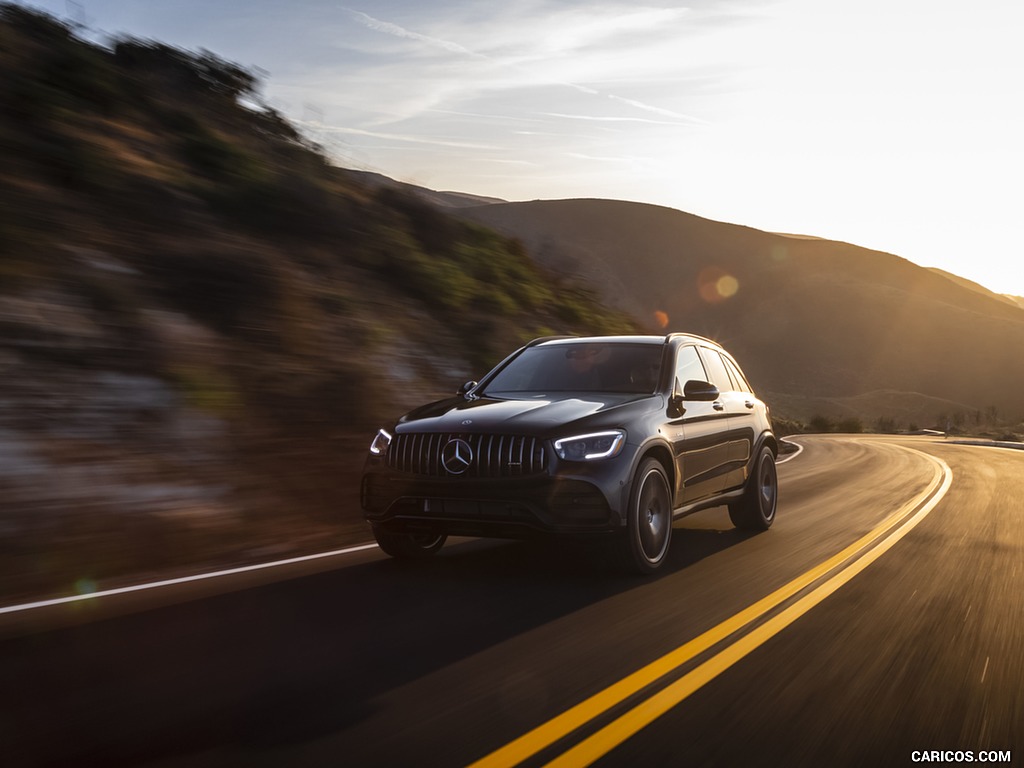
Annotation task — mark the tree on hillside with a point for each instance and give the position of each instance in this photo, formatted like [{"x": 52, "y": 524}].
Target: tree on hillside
[
  {"x": 851, "y": 424},
  {"x": 821, "y": 423},
  {"x": 886, "y": 425},
  {"x": 191, "y": 71}
]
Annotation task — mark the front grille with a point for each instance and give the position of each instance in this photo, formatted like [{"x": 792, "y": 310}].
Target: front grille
[{"x": 492, "y": 455}]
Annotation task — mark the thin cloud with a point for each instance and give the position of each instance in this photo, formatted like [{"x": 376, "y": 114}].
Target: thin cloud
[
  {"x": 483, "y": 116},
  {"x": 507, "y": 162},
  {"x": 605, "y": 159},
  {"x": 377, "y": 25},
  {"x": 610, "y": 119},
  {"x": 635, "y": 22},
  {"x": 658, "y": 110},
  {"x": 556, "y": 134},
  {"x": 323, "y": 128}
]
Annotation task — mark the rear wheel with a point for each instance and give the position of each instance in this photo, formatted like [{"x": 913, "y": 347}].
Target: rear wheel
[
  {"x": 649, "y": 520},
  {"x": 755, "y": 511},
  {"x": 408, "y": 546}
]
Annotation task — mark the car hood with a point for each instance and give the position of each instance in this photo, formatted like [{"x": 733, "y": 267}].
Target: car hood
[{"x": 540, "y": 417}]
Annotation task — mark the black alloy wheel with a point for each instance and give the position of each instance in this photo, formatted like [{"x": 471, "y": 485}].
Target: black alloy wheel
[
  {"x": 649, "y": 521},
  {"x": 409, "y": 545},
  {"x": 755, "y": 511}
]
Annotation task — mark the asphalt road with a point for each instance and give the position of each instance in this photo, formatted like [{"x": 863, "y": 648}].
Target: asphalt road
[{"x": 880, "y": 616}]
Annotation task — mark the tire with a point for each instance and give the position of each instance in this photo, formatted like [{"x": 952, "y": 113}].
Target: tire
[
  {"x": 755, "y": 511},
  {"x": 409, "y": 546},
  {"x": 648, "y": 521}
]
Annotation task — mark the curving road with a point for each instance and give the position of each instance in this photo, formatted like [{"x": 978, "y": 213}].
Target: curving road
[{"x": 880, "y": 617}]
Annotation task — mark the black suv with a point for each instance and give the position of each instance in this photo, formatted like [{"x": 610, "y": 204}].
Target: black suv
[{"x": 609, "y": 435}]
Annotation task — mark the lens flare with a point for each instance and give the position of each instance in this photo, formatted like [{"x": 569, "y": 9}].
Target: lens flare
[
  {"x": 661, "y": 318},
  {"x": 715, "y": 285},
  {"x": 727, "y": 286}
]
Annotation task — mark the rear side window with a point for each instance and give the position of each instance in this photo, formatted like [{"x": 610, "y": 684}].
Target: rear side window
[
  {"x": 737, "y": 376},
  {"x": 716, "y": 369}
]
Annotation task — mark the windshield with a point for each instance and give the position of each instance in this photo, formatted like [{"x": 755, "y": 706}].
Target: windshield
[{"x": 619, "y": 368}]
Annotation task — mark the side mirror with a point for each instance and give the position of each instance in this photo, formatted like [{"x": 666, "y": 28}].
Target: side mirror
[
  {"x": 465, "y": 388},
  {"x": 701, "y": 391},
  {"x": 676, "y": 408}
]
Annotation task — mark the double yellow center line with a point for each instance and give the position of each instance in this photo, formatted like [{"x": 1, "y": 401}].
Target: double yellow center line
[{"x": 846, "y": 564}]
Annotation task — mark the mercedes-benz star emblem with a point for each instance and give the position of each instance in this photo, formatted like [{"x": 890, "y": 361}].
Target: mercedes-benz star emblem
[{"x": 456, "y": 456}]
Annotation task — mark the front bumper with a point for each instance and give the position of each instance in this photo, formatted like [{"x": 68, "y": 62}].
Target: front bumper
[{"x": 521, "y": 507}]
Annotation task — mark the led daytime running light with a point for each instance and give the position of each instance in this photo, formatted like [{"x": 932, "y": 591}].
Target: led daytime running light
[
  {"x": 588, "y": 447},
  {"x": 380, "y": 443}
]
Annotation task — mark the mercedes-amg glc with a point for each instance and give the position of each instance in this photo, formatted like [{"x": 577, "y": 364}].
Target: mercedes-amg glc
[{"x": 612, "y": 437}]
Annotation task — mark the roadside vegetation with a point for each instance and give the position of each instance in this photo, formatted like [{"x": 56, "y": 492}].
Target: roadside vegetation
[
  {"x": 203, "y": 321},
  {"x": 977, "y": 424}
]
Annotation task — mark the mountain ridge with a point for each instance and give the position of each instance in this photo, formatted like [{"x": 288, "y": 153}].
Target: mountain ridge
[{"x": 808, "y": 317}]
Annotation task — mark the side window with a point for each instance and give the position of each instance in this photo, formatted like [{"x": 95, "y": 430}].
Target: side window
[
  {"x": 737, "y": 376},
  {"x": 688, "y": 366},
  {"x": 716, "y": 369}
]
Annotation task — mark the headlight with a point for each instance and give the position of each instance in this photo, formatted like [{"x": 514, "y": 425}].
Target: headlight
[
  {"x": 380, "y": 443},
  {"x": 597, "y": 445}
]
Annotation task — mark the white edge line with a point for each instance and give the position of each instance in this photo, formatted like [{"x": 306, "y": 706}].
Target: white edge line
[
  {"x": 790, "y": 457},
  {"x": 180, "y": 580}
]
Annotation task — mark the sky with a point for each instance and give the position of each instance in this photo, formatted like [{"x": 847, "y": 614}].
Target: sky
[{"x": 891, "y": 124}]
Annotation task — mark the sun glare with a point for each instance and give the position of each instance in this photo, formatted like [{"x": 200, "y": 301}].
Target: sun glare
[{"x": 715, "y": 285}]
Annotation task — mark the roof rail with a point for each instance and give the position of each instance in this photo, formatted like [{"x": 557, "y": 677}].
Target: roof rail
[
  {"x": 542, "y": 339},
  {"x": 690, "y": 336}
]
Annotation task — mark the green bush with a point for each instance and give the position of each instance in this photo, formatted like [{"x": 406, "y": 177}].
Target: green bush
[
  {"x": 821, "y": 423},
  {"x": 201, "y": 72},
  {"x": 850, "y": 424},
  {"x": 218, "y": 159},
  {"x": 886, "y": 425},
  {"x": 438, "y": 282}
]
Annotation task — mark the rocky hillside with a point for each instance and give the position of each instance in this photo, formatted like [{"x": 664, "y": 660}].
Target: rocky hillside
[{"x": 202, "y": 322}]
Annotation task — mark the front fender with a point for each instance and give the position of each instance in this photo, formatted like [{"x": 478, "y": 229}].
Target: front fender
[{"x": 660, "y": 449}]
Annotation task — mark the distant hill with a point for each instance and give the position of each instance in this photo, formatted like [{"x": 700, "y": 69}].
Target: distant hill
[
  {"x": 820, "y": 326},
  {"x": 1015, "y": 301},
  {"x": 443, "y": 199}
]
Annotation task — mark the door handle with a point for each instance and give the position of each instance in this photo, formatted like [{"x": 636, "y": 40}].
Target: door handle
[{"x": 717, "y": 405}]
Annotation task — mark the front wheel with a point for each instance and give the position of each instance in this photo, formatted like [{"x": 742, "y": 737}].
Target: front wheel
[
  {"x": 755, "y": 510},
  {"x": 407, "y": 546},
  {"x": 649, "y": 520}
]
